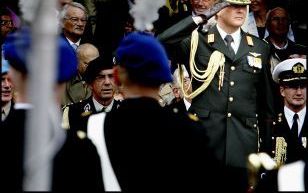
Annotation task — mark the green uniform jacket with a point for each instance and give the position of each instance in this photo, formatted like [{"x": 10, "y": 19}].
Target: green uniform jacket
[{"x": 236, "y": 116}]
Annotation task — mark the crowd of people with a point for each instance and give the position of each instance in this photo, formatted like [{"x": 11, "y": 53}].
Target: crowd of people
[{"x": 179, "y": 107}]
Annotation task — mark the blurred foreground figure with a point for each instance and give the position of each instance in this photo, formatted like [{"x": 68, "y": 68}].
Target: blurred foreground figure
[{"x": 150, "y": 147}]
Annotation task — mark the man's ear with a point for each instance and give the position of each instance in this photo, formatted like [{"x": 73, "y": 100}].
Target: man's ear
[
  {"x": 281, "y": 88},
  {"x": 116, "y": 78}
]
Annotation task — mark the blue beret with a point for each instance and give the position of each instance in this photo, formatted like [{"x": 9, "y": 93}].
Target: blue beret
[
  {"x": 144, "y": 58},
  {"x": 17, "y": 47}
]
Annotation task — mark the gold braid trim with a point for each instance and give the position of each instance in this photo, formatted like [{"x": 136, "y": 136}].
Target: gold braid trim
[
  {"x": 280, "y": 151},
  {"x": 217, "y": 60}
]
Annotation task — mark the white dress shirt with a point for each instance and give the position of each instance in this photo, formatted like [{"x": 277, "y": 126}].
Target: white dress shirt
[
  {"x": 301, "y": 117},
  {"x": 236, "y": 37}
]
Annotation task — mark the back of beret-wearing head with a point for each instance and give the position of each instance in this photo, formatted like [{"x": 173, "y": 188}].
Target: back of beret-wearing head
[
  {"x": 17, "y": 48},
  {"x": 144, "y": 58}
]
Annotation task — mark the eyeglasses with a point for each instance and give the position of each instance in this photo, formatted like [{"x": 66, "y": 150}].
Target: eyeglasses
[
  {"x": 75, "y": 20},
  {"x": 6, "y": 22}
]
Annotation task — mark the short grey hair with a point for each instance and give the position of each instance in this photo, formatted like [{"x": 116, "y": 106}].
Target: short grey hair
[{"x": 63, "y": 11}]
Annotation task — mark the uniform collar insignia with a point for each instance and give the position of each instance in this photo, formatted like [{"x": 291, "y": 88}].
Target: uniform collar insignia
[
  {"x": 87, "y": 110},
  {"x": 87, "y": 107},
  {"x": 249, "y": 40},
  {"x": 279, "y": 117},
  {"x": 210, "y": 38}
]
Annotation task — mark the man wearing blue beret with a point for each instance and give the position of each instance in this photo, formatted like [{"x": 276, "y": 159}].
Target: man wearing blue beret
[
  {"x": 70, "y": 170},
  {"x": 150, "y": 147}
]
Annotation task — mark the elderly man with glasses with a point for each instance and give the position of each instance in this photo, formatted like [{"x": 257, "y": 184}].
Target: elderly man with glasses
[{"x": 73, "y": 23}]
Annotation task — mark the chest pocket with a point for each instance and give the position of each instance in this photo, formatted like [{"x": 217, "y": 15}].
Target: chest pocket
[{"x": 251, "y": 68}]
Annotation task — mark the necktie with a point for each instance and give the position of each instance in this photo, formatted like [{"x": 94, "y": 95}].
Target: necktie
[
  {"x": 3, "y": 115},
  {"x": 294, "y": 129},
  {"x": 74, "y": 46},
  {"x": 104, "y": 109},
  {"x": 229, "y": 40}
]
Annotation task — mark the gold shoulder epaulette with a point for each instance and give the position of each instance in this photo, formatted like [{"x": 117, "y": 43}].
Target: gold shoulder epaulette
[{"x": 249, "y": 40}]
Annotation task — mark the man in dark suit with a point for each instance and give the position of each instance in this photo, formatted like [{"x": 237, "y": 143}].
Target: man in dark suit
[
  {"x": 99, "y": 77},
  {"x": 289, "y": 132},
  {"x": 234, "y": 101},
  {"x": 152, "y": 148},
  {"x": 73, "y": 19}
]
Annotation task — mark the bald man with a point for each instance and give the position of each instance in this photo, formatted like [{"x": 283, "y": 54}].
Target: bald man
[{"x": 76, "y": 88}]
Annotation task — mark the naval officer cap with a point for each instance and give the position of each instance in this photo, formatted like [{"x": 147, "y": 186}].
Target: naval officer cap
[
  {"x": 239, "y": 2},
  {"x": 144, "y": 58},
  {"x": 17, "y": 48},
  {"x": 291, "y": 72}
]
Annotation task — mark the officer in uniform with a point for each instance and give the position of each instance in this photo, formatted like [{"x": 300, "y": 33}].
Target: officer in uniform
[
  {"x": 232, "y": 93},
  {"x": 290, "y": 129},
  {"x": 99, "y": 77}
]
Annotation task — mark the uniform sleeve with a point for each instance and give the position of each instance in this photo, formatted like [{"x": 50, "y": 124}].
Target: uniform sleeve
[{"x": 266, "y": 103}]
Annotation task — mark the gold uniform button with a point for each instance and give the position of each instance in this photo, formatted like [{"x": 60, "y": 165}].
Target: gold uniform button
[
  {"x": 232, "y": 83},
  {"x": 230, "y": 99},
  {"x": 232, "y": 68},
  {"x": 229, "y": 115}
]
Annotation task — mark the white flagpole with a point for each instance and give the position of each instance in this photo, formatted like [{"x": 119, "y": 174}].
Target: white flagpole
[{"x": 42, "y": 133}]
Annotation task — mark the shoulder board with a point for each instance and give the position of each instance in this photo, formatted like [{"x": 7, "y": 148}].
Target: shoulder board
[{"x": 255, "y": 38}]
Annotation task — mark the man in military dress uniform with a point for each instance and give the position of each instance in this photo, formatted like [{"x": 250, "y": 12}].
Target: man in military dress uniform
[
  {"x": 99, "y": 77},
  {"x": 290, "y": 130},
  {"x": 232, "y": 93}
]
